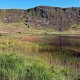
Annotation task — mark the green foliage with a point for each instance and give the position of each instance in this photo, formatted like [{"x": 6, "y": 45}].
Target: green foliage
[
  {"x": 17, "y": 46},
  {"x": 13, "y": 67}
]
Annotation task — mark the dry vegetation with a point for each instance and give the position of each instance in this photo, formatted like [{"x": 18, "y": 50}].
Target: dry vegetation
[{"x": 25, "y": 60}]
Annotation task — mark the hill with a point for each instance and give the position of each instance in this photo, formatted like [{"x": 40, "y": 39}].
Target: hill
[{"x": 41, "y": 17}]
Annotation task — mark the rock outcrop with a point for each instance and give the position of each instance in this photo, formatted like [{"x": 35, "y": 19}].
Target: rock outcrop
[{"x": 43, "y": 17}]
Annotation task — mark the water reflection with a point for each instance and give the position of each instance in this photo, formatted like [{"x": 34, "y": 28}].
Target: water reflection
[
  {"x": 64, "y": 41},
  {"x": 63, "y": 49}
]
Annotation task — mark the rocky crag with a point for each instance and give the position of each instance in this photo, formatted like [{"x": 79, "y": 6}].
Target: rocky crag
[{"x": 43, "y": 17}]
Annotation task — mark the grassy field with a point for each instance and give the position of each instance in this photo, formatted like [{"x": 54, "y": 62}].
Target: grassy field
[
  {"x": 29, "y": 60},
  {"x": 26, "y": 55},
  {"x": 17, "y": 63}
]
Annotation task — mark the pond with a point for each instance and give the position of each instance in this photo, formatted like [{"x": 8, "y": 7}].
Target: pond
[{"x": 62, "y": 49}]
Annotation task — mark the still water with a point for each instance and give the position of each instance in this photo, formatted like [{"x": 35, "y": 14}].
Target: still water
[
  {"x": 62, "y": 49},
  {"x": 61, "y": 42}
]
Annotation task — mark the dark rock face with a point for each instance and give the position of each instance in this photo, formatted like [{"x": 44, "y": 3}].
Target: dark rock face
[{"x": 44, "y": 17}]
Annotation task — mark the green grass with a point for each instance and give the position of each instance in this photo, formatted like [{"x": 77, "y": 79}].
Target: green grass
[
  {"x": 1, "y": 24},
  {"x": 16, "y": 57},
  {"x": 15, "y": 67},
  {"x": 20, "y": 67}
]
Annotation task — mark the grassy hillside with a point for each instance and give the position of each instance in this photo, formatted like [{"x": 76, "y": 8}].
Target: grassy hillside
[
  {"x": 43, "y": 17},
  {"x": 20, "y": 29}
]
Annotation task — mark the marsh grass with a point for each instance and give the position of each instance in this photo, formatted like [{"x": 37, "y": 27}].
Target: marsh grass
[
  {"x": 33, "y": 66},
  {"x": 15, "y": 67},
  {"x": 9, "y": 45}
]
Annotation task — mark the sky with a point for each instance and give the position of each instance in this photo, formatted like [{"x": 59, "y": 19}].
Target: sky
[{"x": 26, "y": 4}]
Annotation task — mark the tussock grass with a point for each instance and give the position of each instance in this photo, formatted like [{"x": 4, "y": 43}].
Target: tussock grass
[
  {"x": 15, "y": 67},
  {"x": 10, "y": 45},
  {"x": 29, "y": 67}
]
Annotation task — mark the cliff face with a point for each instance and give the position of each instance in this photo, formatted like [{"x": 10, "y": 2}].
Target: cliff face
[{"x": 43, "y": 16}]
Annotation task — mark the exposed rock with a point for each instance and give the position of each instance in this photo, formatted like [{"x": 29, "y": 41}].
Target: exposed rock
[{"x": 44, "y": 16}]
